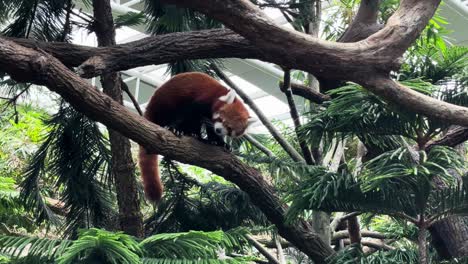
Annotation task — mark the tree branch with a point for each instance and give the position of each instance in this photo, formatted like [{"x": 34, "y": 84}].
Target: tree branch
[
  {"x": 453, "y": 138},
  {"x": 337, "y": 220},
  {"x": 365, "y": 233},
  {"x": 259, "y": 145},
  {"x": 263, "y": 250},
  {"x": 402, "y": 96},
  {"x": 364, "y": 23},
  {"x": 306, "y": 153},
  {"x": 40, "y": 68},
  {"x": 160, "y": 49},
  {"x": 307, "y": 93}
]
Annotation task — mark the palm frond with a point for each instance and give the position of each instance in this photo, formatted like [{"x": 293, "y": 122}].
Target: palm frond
[
  {"x": 398, "y": 166},
  {"x": 38, "y": 19},
  {"x": 15, "y": 246},
  {"x": 102, "y": 247},
  {"x": 188, "y": 203},
  {"x": 452, "y": 200},
  {"x": 237, "y": 260},
  {"x": 129, "y": 19},
  {"x": 353, "y": 111},
  {"x": 193, "y": 244},
  {"x": 351, "y": 255},
  {"x": 433, "y": 63},
  {"x": 328, "y": 191},
  {"x": 165, "y": 19}
]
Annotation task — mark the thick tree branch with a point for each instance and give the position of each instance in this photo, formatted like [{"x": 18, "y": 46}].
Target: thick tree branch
[
  {"x": 453, "y": 138},
  {"x": 408, "y": 99},
  {"x": 380, "y": 51},
  {"x": 122, "y": 165},
  {"x": 376, "y": 55},
  {"x": 38, "y": 67},
  {"x": 214, "y": 43},
  {"x": 364, "y": 23}
]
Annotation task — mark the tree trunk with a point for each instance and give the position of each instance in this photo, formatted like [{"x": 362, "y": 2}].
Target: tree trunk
[
  {"x": 123, "y": 168},
  {"x": 320, "y": 220},
  {"x": 422, "y": 245},
  {"x": 450, "y": 235}
]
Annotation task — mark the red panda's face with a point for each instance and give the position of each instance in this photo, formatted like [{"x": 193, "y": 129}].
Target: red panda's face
[{"x": 232, "y": 119}]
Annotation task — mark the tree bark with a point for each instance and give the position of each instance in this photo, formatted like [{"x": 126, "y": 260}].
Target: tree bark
[
  {"x": 123, "y": 167},
  {"x": 450, "y": 235},
  {"x": 422, "y": 245},
  {"x": 27, "y": 65}
]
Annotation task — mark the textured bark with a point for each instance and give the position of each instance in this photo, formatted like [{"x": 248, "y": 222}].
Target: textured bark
[
  {"x": 123, "y": 167},
  {"x": 422, "y": 245},
  {"x": 365, "y": 22},
  {"x": 454, "y": 137},
  {"x": 450, "y": 237},
  {"x": 37, "y": 67},
  {"x": 354, "y": 230},
  {"x": 213, "y": 43}
]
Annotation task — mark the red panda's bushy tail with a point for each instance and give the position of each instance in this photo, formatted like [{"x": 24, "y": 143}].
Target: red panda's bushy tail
[{"x": 149, "y": 168}]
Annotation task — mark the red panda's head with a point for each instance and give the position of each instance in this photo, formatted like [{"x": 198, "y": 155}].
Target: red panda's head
[{"x": 232, "y": 118}]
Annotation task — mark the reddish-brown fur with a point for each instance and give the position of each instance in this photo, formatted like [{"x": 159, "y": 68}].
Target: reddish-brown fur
[{"x": 185, "y": 100}]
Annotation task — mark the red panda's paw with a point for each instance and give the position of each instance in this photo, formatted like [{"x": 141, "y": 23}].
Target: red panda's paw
[{"x": 176, "y": 132}]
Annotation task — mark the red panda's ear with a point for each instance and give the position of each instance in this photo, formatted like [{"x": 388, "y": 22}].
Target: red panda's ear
[
  {"x": 252, "y": 120},
  {"x": 229, "y": 97}
]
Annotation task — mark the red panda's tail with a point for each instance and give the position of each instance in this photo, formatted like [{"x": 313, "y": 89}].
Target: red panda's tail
[{"x": 150, "y": 175}]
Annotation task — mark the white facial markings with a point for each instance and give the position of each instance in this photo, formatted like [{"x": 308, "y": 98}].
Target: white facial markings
[
  {"x": 216, "y": 115},
  {"x": 220, "y": 129}
]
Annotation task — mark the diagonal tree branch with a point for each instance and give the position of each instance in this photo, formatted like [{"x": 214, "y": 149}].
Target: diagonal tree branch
[
  {"x": 38, "y": 67},
  {"x": 404, "y": 97}
]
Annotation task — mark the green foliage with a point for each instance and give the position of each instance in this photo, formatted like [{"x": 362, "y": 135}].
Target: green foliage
[
  {"x": 16, "y": 246},
  {"x": 100, "y": 246},
  {"x": 352, "y": 255},
  {"x": 129, "y": 19},
  {"x": 357, "y": 112},
  {"x": 392, "y": 183},
  {"x": 38, "y": 19},
  {"x": 188, "y": 203},
  {"x": 434, "y": 63},
  {"x": 74, "y": 157},
  {"x": 18, "y": 141}
]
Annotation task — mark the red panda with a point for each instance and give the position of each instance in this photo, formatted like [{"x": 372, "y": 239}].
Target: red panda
[{"x": 185, "y": 103}]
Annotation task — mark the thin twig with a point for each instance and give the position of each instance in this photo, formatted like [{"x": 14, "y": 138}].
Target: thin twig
[
  {"x": 295, "y": 117},
  {"x": 259, "y": 145},
  {"x": 124, "y": 87},
  {"x": 262, "y": 250}
]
